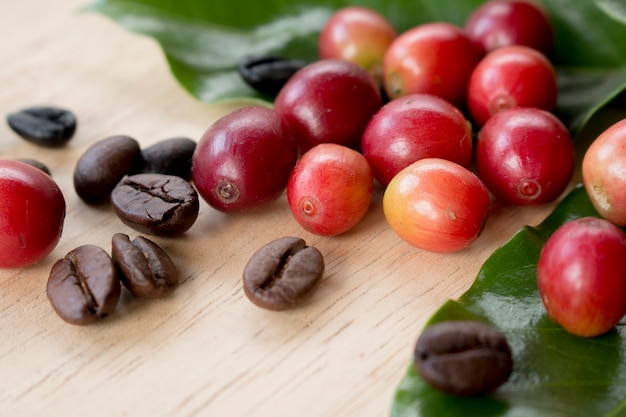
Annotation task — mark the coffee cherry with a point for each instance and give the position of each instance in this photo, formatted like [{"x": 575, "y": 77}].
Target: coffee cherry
[
  {"x": 360, "y": 35},
  {"x": 436, "y": 205},
  {"x": 329, "y": 101},
  {"x": 582, "y": 277},
  {"x": 512, "y": 76},
  {"x": 434, "y": 58},
  {"x": 32, "y": 212},
  {"x": 603, "y": 173},
  {"x": 243, "y": 161},
  {"x": 330, "y": 189},
  {"x": 413, "y": 127},
  {"x": 499, "y": 23},
  {"x": 525, "y": 156}
]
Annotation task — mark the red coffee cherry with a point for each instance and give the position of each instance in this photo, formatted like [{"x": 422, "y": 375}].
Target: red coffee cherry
[
  {"x": 243, "y": 161},
  {"x": 330, "y": 189},
  {"x": 525, "y": 156},
  {"x": 603, "y": 173},
  {"x": 434, "y": 58},
  {"x": 32, "y": 212},
  {"x": 512, "y": 76},
  {"x": 581, "y": 276},
  {"x": 413, "y": 127},
  {"x": 499, "y": 23},
  {"x": 328, "y": 101}
]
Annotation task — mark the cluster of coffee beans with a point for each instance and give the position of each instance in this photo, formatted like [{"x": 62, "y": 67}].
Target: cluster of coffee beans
[
  {"x": 148, "y": 189},
  {"x": 84, "y": 286}
]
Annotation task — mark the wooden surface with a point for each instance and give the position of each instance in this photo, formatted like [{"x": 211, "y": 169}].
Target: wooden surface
[{"x": 206, "y": 350}]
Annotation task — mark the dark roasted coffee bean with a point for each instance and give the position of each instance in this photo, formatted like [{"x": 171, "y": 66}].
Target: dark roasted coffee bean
[
  {"x": 37, "y": 164},
  {"x": 103, "y": 165},
  {"x": 268, "y": 74},
  {"x": 282, "y": 273},
  {"x": 44, "y": 126},
  {"x": 169, "y": 157},
  {"x": 83, "y": 287},
  {"x": 465, "y": 358},
  {"x": 145, "y": 268},
  {"x": 157, "y": 204}
]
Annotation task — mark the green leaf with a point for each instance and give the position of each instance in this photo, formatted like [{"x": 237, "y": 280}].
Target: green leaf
[
  {"x": 613, "y": 8},
  {"x": 585, "y": 36},
  {"x": 555, "y": 374},
  {"x": 203, "y": 40},
  {"x": 583, "y": 93}
]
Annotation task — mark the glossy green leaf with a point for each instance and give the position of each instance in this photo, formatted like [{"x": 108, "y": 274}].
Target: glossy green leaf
[
  {"x": 203, "y": 40},
  {"x": 582, "y": 93},
  {"x": 614, "y": 8},
  {"x": 555, "y": 374}
]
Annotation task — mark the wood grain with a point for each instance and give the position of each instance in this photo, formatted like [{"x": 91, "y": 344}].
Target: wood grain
[{"x": 206, "y": 350}]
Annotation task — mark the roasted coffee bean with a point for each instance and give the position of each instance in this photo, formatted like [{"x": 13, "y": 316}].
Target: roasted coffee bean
[
  {"x": 466, "y": 358},
  {"x": 83, "y": 287},
  {"x": 169, "y": 157},
  {"x": 157, "y": 204},
  {"x": 37, "y": 164},
  {"x": 268, "y": 74},
  {"x": 103, "y": 165},
  {"x": 282, "y": 273},
  {"x": 144, "y": 267},
  {"x": 51, "y": 127}
]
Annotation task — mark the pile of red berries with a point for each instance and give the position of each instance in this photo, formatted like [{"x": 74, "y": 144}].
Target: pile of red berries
[
  {"x": 446, "y": 119},
  {"x": 401, "y": 109}
]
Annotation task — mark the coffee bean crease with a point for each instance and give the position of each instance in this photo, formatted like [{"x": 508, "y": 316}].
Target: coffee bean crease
[
  {"x": 463, "y": 357},
  {"x": 146, "y": 269},
  {"x": 278, "y": 272},
  {"x": 282, "y": 273},
  {"x": 81, "y": 282},
  {"x": 83, "y": 286},
  {"x": 158, "y": 204}
]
